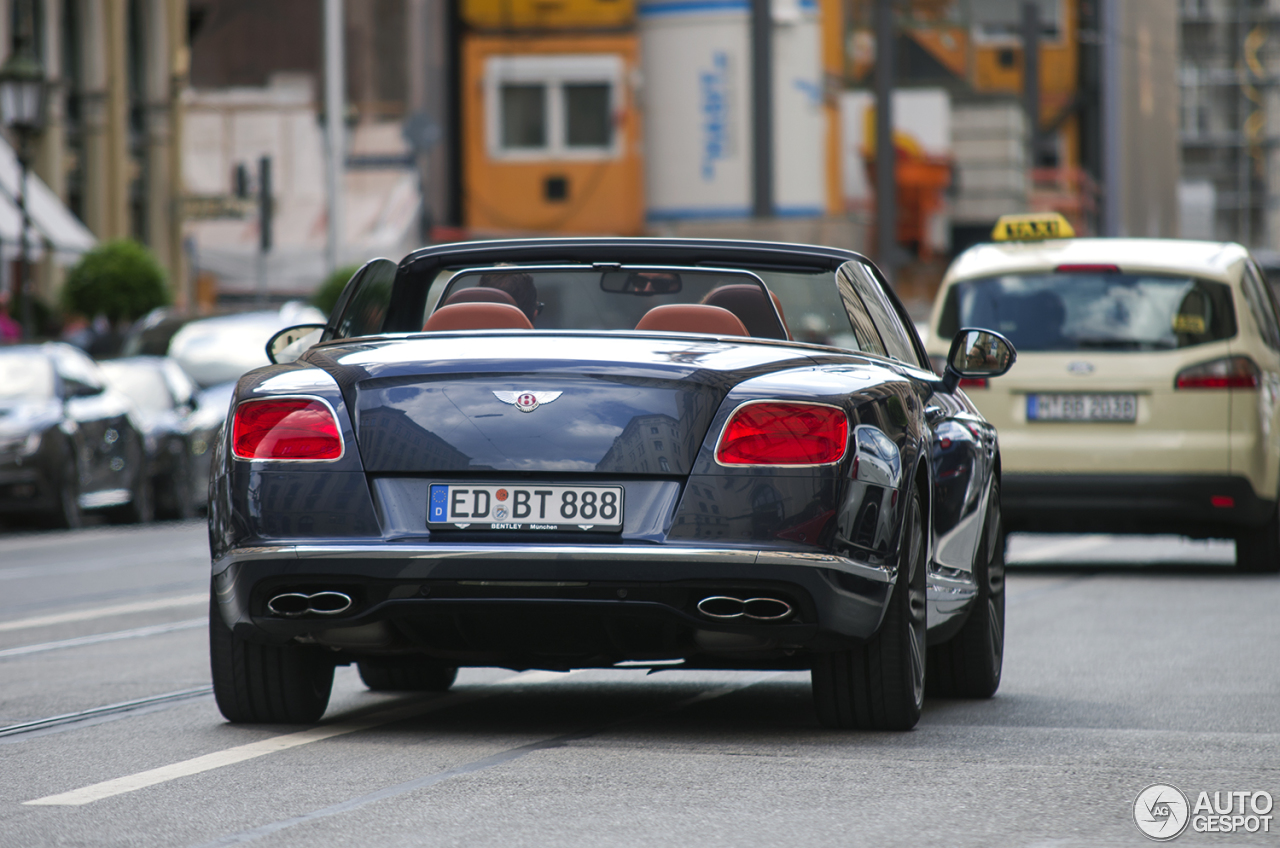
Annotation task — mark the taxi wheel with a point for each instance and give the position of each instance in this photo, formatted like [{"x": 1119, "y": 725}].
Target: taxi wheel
[
  {"x": 1258, "y": 548},
  {"x": 267, "y": 684},
  {"x": 880, "y": 685},
  {"x": 422, "y": 676},
  {"x": 968, "y": 665}
]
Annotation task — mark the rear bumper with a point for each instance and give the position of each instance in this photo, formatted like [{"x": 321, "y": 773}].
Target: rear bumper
[
  {"x": 1125, "y": 503},
  {"x": 556, "y": 606}
]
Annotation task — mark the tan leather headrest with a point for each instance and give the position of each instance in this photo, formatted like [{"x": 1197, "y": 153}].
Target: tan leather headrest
[
  {"x": 480, "y": 294},
  {"x": 476, "y": 316},
  {"x": 692, "y": 318},
  {"x": 782, "y": 315},
  {"x": 748, "y": 302}
]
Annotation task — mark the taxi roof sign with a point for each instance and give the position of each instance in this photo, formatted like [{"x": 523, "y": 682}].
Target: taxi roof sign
[{"x": 1036, "y": 226}]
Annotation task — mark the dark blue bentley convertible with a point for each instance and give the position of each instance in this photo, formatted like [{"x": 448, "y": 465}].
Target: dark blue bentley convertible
[{"x": 562, "y": 454}]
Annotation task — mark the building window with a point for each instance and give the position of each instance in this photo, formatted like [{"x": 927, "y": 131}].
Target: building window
[
  {"x": 524, "y": 116},
  {"x": 553, "y": 107},
  {"x": 1001, "y": 20}
]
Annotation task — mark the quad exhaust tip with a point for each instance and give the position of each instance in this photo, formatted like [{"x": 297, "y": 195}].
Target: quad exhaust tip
[
  {"x": 294, "y": 604},
  {"x": 724, "y": 608}
]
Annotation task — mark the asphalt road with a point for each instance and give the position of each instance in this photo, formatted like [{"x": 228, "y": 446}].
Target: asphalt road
[{"x": 1129, "y": 662}]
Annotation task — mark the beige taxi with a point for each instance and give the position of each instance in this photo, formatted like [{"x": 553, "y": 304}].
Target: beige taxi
[{"x": 1147, "y": 388}]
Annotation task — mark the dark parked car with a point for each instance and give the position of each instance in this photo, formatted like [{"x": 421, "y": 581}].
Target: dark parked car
[
  {"x": 564, "y": 454},
  {"x": 165, "y": 398},
  {"x": 68, "y": 442}
]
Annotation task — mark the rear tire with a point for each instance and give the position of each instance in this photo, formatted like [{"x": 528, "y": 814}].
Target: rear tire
[
  {"x": 880, "y": 685},
  {"x": 1258, "y": 548},
  {"x": 422, "y": 676},
  {"x": 268, "y": 684},
  {"x": 968, "y": 665},
  {"x": 173, "y": 493},
  {"x": 141, "y": 508},
  {"x": 67, "y": 514}
]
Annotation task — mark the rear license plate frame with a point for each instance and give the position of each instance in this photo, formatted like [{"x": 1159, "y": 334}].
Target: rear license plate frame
[
  {"x": 453, "y": 506},
  {"x": 1083, "y": 407}
]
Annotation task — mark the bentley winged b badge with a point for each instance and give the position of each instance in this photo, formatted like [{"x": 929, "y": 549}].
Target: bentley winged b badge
[{"x": 527, "y": 401}]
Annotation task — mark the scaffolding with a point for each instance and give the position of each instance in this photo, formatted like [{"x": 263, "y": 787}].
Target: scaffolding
[{"x": 1229, "y": 85}]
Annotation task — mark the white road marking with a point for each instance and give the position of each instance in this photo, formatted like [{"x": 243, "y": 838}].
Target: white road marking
[
  {"x": 218, "y": 759},
  {"x": 103, "y": 612},
  {"x": 136, "y": 633},
  {"x": 498, "y": 759},
  {"x": 1054, "y": 550}
]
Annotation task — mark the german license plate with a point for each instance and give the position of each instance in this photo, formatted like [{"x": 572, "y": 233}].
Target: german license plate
[
  {"x": 512, "y": 507},
  {"x": 1080, "y": 407}
]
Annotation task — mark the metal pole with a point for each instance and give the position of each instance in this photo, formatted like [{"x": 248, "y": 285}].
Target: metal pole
[
  {"x": 886, "y": 156},
  {"x": 1111, "y": 223},
  {"x": 264, "y": 224},
  {"x": 334, "y": 99},
  {"x": 24, "y": 261},
  {"x": 1031, "y": 79},
  {"x": 762, "y": 108}
]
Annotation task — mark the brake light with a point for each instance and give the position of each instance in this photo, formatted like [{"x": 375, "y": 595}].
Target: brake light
[
  {"x": 780, "y": 433},
  {"x": 285, "y": 428},
  {"x": 1232, "y": 372},
  {"x": 1087, "y": 269},
  {"x": 973, "y": 382}
]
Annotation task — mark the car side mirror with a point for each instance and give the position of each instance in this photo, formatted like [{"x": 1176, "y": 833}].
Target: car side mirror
[
  {"x": 77, "y": 389},
  {"x": 979, "y": 354},
  {"x": 291, "y": 342}
]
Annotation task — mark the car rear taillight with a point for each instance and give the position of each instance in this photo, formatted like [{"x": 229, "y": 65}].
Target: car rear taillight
[
  {"x": 285, "y": 428},
  {"x": 973, "y": 383},
  {"x": 782, "y": 433},
  {"x": 1232, "y": 372}
]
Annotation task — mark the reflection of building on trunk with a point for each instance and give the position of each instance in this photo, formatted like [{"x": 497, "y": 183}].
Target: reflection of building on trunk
[
  {"x": 400, "y": 442},
  {"x": 650, "y": 444}
]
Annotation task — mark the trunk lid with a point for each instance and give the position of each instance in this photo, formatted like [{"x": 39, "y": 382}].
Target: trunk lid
[{"x": 621, "y": 405}]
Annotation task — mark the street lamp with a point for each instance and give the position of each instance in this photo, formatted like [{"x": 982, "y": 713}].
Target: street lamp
[{"x": 22, "y": 92}]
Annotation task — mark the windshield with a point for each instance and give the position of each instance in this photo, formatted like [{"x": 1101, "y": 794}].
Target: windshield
[
  {"x": 25, "y": 376},
  {"x": 615, "y": 299},
  {"x": 800, "y": 305},
  {"x": 1092, "y": 311},
  {"x": 145, "y": 386}
]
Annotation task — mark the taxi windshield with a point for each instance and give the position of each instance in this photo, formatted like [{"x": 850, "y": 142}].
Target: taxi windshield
[{"x": 1092, "y": 311}]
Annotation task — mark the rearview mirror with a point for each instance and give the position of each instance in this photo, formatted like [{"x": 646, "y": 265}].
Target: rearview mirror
[
  {"x": 641, "y": 282},
  {"x": 291, "y": 342},
  {"x": 978, "y": 353}
]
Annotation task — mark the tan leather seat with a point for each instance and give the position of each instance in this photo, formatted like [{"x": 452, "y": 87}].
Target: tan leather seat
[
  {"x": 476, "y": 316},
  {"x": 748, "y": 302},
  {"x": 692, "y": 318},
  {"x": 480, "y": 294}
]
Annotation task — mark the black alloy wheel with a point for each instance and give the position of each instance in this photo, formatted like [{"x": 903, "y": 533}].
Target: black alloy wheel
[
  {"x": 266, "y": 684},
  {"x": 1258, "y": 548},
  {"x": 968, "y": 665},
  {"x": 880, "y": 685},
  {"x": 421, "y": 675}
]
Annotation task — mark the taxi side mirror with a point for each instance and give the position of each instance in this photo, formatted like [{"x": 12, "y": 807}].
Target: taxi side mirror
[{"x": 977, "y": 353}]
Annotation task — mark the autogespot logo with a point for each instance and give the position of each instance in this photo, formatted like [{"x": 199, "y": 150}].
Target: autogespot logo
[{"x": 1161, "y": 812}]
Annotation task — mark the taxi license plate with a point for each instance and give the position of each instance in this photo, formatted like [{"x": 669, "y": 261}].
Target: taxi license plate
[
  {"x": 511, "y": 507},
  {"x": 1073, "y": 407}
]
